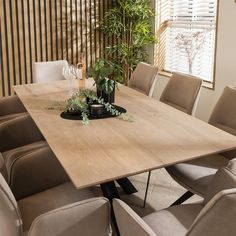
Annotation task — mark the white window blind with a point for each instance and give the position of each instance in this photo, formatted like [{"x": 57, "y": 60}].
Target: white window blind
[{"x": 188, "y": 42}]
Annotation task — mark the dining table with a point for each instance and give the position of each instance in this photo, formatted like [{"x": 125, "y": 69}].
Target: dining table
[{"x": 156, "y": 136}]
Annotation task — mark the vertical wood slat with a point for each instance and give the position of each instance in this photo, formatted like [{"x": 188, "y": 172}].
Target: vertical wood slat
[{"x": 42, "y": 30}]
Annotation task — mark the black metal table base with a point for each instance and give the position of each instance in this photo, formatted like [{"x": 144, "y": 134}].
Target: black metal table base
[
  {"x": 110, "y": 191},
  {"x": 127, "y": 186}
]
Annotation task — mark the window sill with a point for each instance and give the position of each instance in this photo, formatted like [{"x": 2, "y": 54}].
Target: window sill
[{"x": 207, "y": 85}]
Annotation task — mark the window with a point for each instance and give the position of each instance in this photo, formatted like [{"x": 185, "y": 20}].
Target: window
[{"x": 187, "y": 32}]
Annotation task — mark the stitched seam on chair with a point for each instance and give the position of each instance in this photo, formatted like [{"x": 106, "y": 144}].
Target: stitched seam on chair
[
  {"x": 228, "y": 169},
  {"x": 136, "y": 218},
  {"x": 16, "y": 209},
  {"x": 206, "y": 213},
  {"x": 36, "y": 149},
  {"x": 70, "y": 206}
]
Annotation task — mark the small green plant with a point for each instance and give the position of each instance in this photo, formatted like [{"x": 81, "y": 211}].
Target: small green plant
[
  {"x": 80, "y": 101},
  {"x": 129, "y": 22},
  {"x": 106, "y": 74}
]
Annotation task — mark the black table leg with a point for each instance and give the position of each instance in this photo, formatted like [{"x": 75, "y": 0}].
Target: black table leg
[
  {"x": 110, "y": 191},
  {"x": 127, "y": 186}
]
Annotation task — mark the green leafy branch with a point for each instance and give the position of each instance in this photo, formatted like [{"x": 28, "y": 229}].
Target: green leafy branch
[{"x": 80, "y": 101}]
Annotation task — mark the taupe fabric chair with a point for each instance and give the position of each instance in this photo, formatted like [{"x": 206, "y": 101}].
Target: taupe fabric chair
[
  {"x": 61, "y": 210},
  {"x": 18, "y": 132},
  {"x": 143, "y": 78},
  {"x": 196, "y": 175},
  {"x": 32, "y": 171},
  {"x": 182, "y": 92},
  {"x": 45, "y": 72},
  {"x": 214, "y": 216},
  {"x": 11, "y": 107}
]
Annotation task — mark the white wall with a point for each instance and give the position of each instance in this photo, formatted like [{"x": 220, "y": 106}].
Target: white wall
[{"x": 225, "y": 61}]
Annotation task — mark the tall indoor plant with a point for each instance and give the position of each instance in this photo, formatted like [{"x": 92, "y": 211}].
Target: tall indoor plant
[{"x": 129, "y": 22}]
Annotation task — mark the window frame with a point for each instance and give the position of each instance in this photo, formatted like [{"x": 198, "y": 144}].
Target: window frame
[{"x": 165, "y": 73}]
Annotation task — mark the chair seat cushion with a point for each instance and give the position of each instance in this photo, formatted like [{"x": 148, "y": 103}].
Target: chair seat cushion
[
  {"x": 40, "y": 203},
  {"x": 11, "y": 116},
  {"x": 174, "y": 220},
  {"x": 197, "y": 174}
]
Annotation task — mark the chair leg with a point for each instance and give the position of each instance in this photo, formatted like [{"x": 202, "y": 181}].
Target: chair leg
[
  {"x": 146, "y": 192},
  {"x": 183, "y": 198}
]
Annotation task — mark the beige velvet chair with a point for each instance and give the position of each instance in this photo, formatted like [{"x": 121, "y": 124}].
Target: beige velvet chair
[
  {"x": 196, "y": 175},
  {"x": 32, "y": 171},
  {"x": 214, "y": 216},
  {"x": 11, "y": 107},
  {"x": 45, "y": 72},
  {"x": 61, "y": 210},
  {"x": 19, "y": 132},
  {"x": 143, "y": 78},
  {"x": 182, "y": 92}
]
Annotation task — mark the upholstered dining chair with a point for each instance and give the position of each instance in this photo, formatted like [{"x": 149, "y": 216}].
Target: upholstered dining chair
[
  {"x": 61, "y": 210},
  {"x": 143, "y": 78},
  {"x": 182, "y": 92},
  {"x": 20, "y": 132},
  {"x": 196, "y": 175},
  {"x": 49, "y": 71},
  {"x": 11, "y": 107},
  {"x": 214, "y": 216}
]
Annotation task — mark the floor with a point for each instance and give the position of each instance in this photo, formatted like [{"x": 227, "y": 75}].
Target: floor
[{"x": 163, "y": 191}]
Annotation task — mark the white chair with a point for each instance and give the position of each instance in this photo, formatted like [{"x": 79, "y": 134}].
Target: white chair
[
  {"x": 45, "y": 72},
  {"x": 143, "y": 78}
]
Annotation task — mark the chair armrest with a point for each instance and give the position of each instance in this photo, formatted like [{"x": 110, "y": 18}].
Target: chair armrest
[
  {"x": 129, "y": 223},
  {"x": 18, "y": 132},
  {"x": 11, "y": 105},
  {"x": 33, "y": 172},
  {"x": 217, "y": 217},
  {"x": 89, "y": 217}
]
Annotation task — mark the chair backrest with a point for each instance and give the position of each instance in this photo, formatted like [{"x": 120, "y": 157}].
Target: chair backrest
[
  {"x": 143, "y": 78},
  {"x": 219, "y": 214},
  {"x": 11, "y": 223},
  {"x": 45, "y": 72},
  {"x": 225, "y": 178},
  {"x": 182, "y": 92},
  {"x": 3, "y": 169},
  {"x": 224, "y": 115},
  {"x": 129, "y": 223}
]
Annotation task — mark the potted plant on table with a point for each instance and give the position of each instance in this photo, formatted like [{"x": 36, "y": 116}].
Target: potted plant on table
[
  {"x": 106, "y": 74},
  {"x": 87, "y": 103}
]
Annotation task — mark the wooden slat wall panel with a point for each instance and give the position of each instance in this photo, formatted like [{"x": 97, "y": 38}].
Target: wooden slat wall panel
[{"x": 46, "y": 30}]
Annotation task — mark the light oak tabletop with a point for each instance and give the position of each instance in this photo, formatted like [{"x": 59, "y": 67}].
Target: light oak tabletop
[{"x": 109, "y": 149}]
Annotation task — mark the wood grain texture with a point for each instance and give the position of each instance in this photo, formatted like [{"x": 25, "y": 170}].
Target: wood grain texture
[
  {"x": 43, "y": 30},
  {"x": 112, "y": 148}
]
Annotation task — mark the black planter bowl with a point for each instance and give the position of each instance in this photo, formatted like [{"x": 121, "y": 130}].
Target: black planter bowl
[{"x": 97, "y": 111}]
